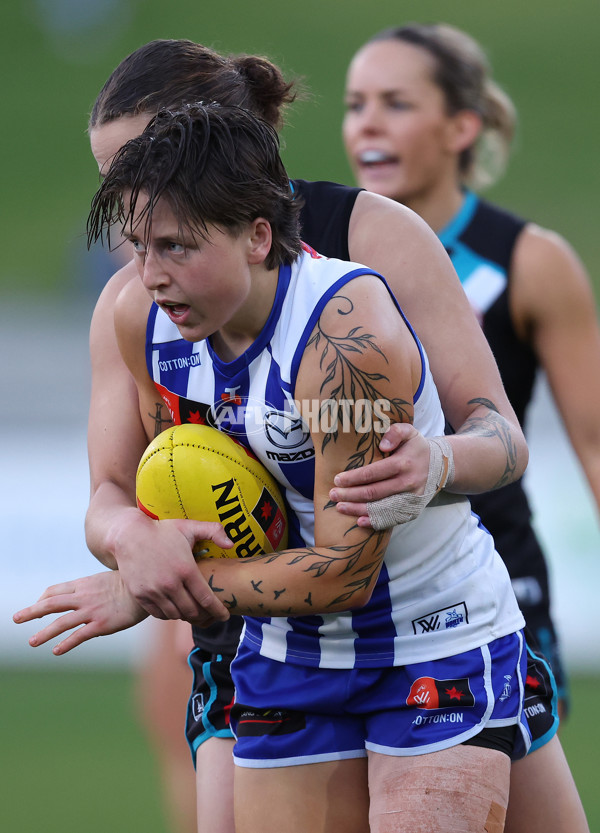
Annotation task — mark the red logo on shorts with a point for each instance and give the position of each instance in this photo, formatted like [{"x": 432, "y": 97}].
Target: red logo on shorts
[{"x": 429, "y": 693}]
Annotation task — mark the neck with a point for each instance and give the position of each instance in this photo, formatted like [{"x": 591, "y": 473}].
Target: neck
[
  {"x": 439, "y": 205},
  {"x": 242, "y": 330}
]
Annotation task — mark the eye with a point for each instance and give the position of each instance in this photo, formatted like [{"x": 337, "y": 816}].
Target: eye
[
  {"x": 399, "y": 104},
  {"x": 138, "y": 246},
  {"x": 176, "y": 248},
  {"x": 353, "y": 106}
]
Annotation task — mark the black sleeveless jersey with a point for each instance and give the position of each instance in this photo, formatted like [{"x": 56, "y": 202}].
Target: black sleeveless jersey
[{"x": 480, "y": 240}]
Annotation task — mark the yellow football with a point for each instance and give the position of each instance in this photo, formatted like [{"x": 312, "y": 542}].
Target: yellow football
[{"x": 198, "y": 472}]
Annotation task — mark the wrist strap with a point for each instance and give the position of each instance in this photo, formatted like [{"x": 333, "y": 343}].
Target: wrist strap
[{"x": 406, "y": 506}]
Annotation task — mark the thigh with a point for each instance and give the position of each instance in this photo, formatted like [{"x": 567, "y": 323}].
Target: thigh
[
  {"x": 330, "y": 797},
  {"x": 214, "y": 786},
  {"x": 464, "y": 788},
  {"x": 543, "y": 795}
]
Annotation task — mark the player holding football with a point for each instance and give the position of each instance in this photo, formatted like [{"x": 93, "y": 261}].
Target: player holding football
[
  {"x": 194, "y": 66},
  {"x": 379, "y": 718}
]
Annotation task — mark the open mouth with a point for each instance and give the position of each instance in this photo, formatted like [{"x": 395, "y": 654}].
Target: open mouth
[
  {"x": 376, "y": 158},
  {"x": 174, "y": 310}
]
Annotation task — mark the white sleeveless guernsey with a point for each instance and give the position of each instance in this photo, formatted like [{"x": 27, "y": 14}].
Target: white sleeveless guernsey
[{"x": 442, "y": 589}]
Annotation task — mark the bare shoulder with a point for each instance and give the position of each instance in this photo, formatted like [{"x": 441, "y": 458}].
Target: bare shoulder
[
  {"x": 546, "y": 275},
  {"x": 365, "y": 303},
  {"x": 537, "y": 245},
  {"x": 377, "y": 222},
  {"x": 102, "y": 318},
  {"x": 362, "y": 341},
  {"x": 131, "y": 309}
]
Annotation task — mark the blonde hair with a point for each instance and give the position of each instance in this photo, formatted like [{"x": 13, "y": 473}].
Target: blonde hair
[{"x": 463, "y": 73}]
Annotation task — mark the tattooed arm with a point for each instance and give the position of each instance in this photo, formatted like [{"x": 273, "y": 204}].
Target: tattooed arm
[
  {"x": 489, "y": 446},
  {"x": 359, "y": 354},
  {"x": 125, "y": 414}
]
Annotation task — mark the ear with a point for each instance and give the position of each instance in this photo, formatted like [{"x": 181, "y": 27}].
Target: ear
[
  {"x": 465, "y": 129},
  {"x": 260, "y": 238}
]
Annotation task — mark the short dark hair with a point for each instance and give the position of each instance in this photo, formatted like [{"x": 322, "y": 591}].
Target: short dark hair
[{"x": 213, "y": 165}]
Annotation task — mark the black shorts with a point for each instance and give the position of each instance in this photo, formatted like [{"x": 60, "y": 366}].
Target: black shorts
[
  {"x": 541, "y": 698},
  {"x": 541, "y": 637},
  {"x": 211, "y": 700}
]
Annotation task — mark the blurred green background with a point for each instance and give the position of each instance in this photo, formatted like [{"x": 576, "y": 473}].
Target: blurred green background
[
  {"x": 56, "y": 54},
  {"x": 71, "y": 739},
  {"x": 73, "y": 757}
]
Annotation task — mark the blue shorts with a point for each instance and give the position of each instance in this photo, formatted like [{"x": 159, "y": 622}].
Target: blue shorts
[{"x": 285, "y": 715}]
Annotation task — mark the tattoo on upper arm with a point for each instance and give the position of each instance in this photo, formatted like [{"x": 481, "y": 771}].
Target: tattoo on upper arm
[
  {"x": 316, "y": 562},
  {"x": 348, "y": 389},
  {"x": 493, "y": 424},
  {"x": 157, "y": 416}
]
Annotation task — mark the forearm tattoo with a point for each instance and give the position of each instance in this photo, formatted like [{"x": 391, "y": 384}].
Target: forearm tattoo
[
  {"x": 493, "y": 424},
  {"x": 345, "y": 559}
]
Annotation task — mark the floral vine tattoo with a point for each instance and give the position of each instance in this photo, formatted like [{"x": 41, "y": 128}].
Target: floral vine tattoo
[
  {"x": 316, "y": 563},
  {"x": 350, "y": 384},
  {"x": 493, "y": 424}
]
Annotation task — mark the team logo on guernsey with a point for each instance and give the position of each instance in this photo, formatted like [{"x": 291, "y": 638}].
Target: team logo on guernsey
[
  {"x": 184, "y": 410},
  {"x": 429, "y": 693},
  {"x": 269, "y": 517},
  {"x": 444, "y": 619},
  {"x": 285, "y": 430}
]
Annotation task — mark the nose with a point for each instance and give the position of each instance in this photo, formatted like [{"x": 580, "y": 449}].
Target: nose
[
  {"x": 370, "y": 118},
  {"x": 152, "y": 270}
]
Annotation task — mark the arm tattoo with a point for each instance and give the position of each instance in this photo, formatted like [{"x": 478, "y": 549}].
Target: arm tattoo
[
  {"x": 347, "y": 389},
  {"x": 157, "y": 416},
  {"x": 317, "y": 563},
  {"x": 350, "y": 385},
  {"x": 493, "y": 424}
]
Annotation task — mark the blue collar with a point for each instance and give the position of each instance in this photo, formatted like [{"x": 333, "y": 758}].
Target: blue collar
[{"x": 452, "y": 231}]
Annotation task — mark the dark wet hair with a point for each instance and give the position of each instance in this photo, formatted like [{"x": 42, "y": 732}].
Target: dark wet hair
[
  {"x": 462, "y": 72},
  {"x": 213, "y": 165},
  {"x": 165, "y": 74}
]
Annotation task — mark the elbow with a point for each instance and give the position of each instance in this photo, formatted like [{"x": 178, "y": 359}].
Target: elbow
[
  {"x": 353, "y": 599},
  {"x": 521, "y": 456}
]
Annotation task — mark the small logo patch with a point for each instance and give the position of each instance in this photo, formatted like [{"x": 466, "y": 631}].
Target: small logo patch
[
  {"x": 249, "y": 722},
  {"x": 429, "y": 693},
  {"x": 197, "y": 706},
  {"x": 269, "y": 517},
  {"x": 447, "y": 617}
]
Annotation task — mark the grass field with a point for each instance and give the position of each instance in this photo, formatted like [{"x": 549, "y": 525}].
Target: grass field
[
  {"x": 56, "y": 54},
  {"x": 72, "y": 757}
]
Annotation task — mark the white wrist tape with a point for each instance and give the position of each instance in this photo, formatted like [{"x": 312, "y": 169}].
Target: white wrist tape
[{"x": 406, "y": 506}]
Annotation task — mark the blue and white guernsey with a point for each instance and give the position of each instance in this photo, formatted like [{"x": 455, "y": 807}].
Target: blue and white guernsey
[{"x": 442, "y": 588}]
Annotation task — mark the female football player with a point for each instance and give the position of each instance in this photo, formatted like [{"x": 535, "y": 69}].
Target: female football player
[
  {"x": 379, "y": 674},
  {"x": 337, "y": 221},
  {"x": 426, "y": 125},
  {"x": 332, "y": 219}
]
